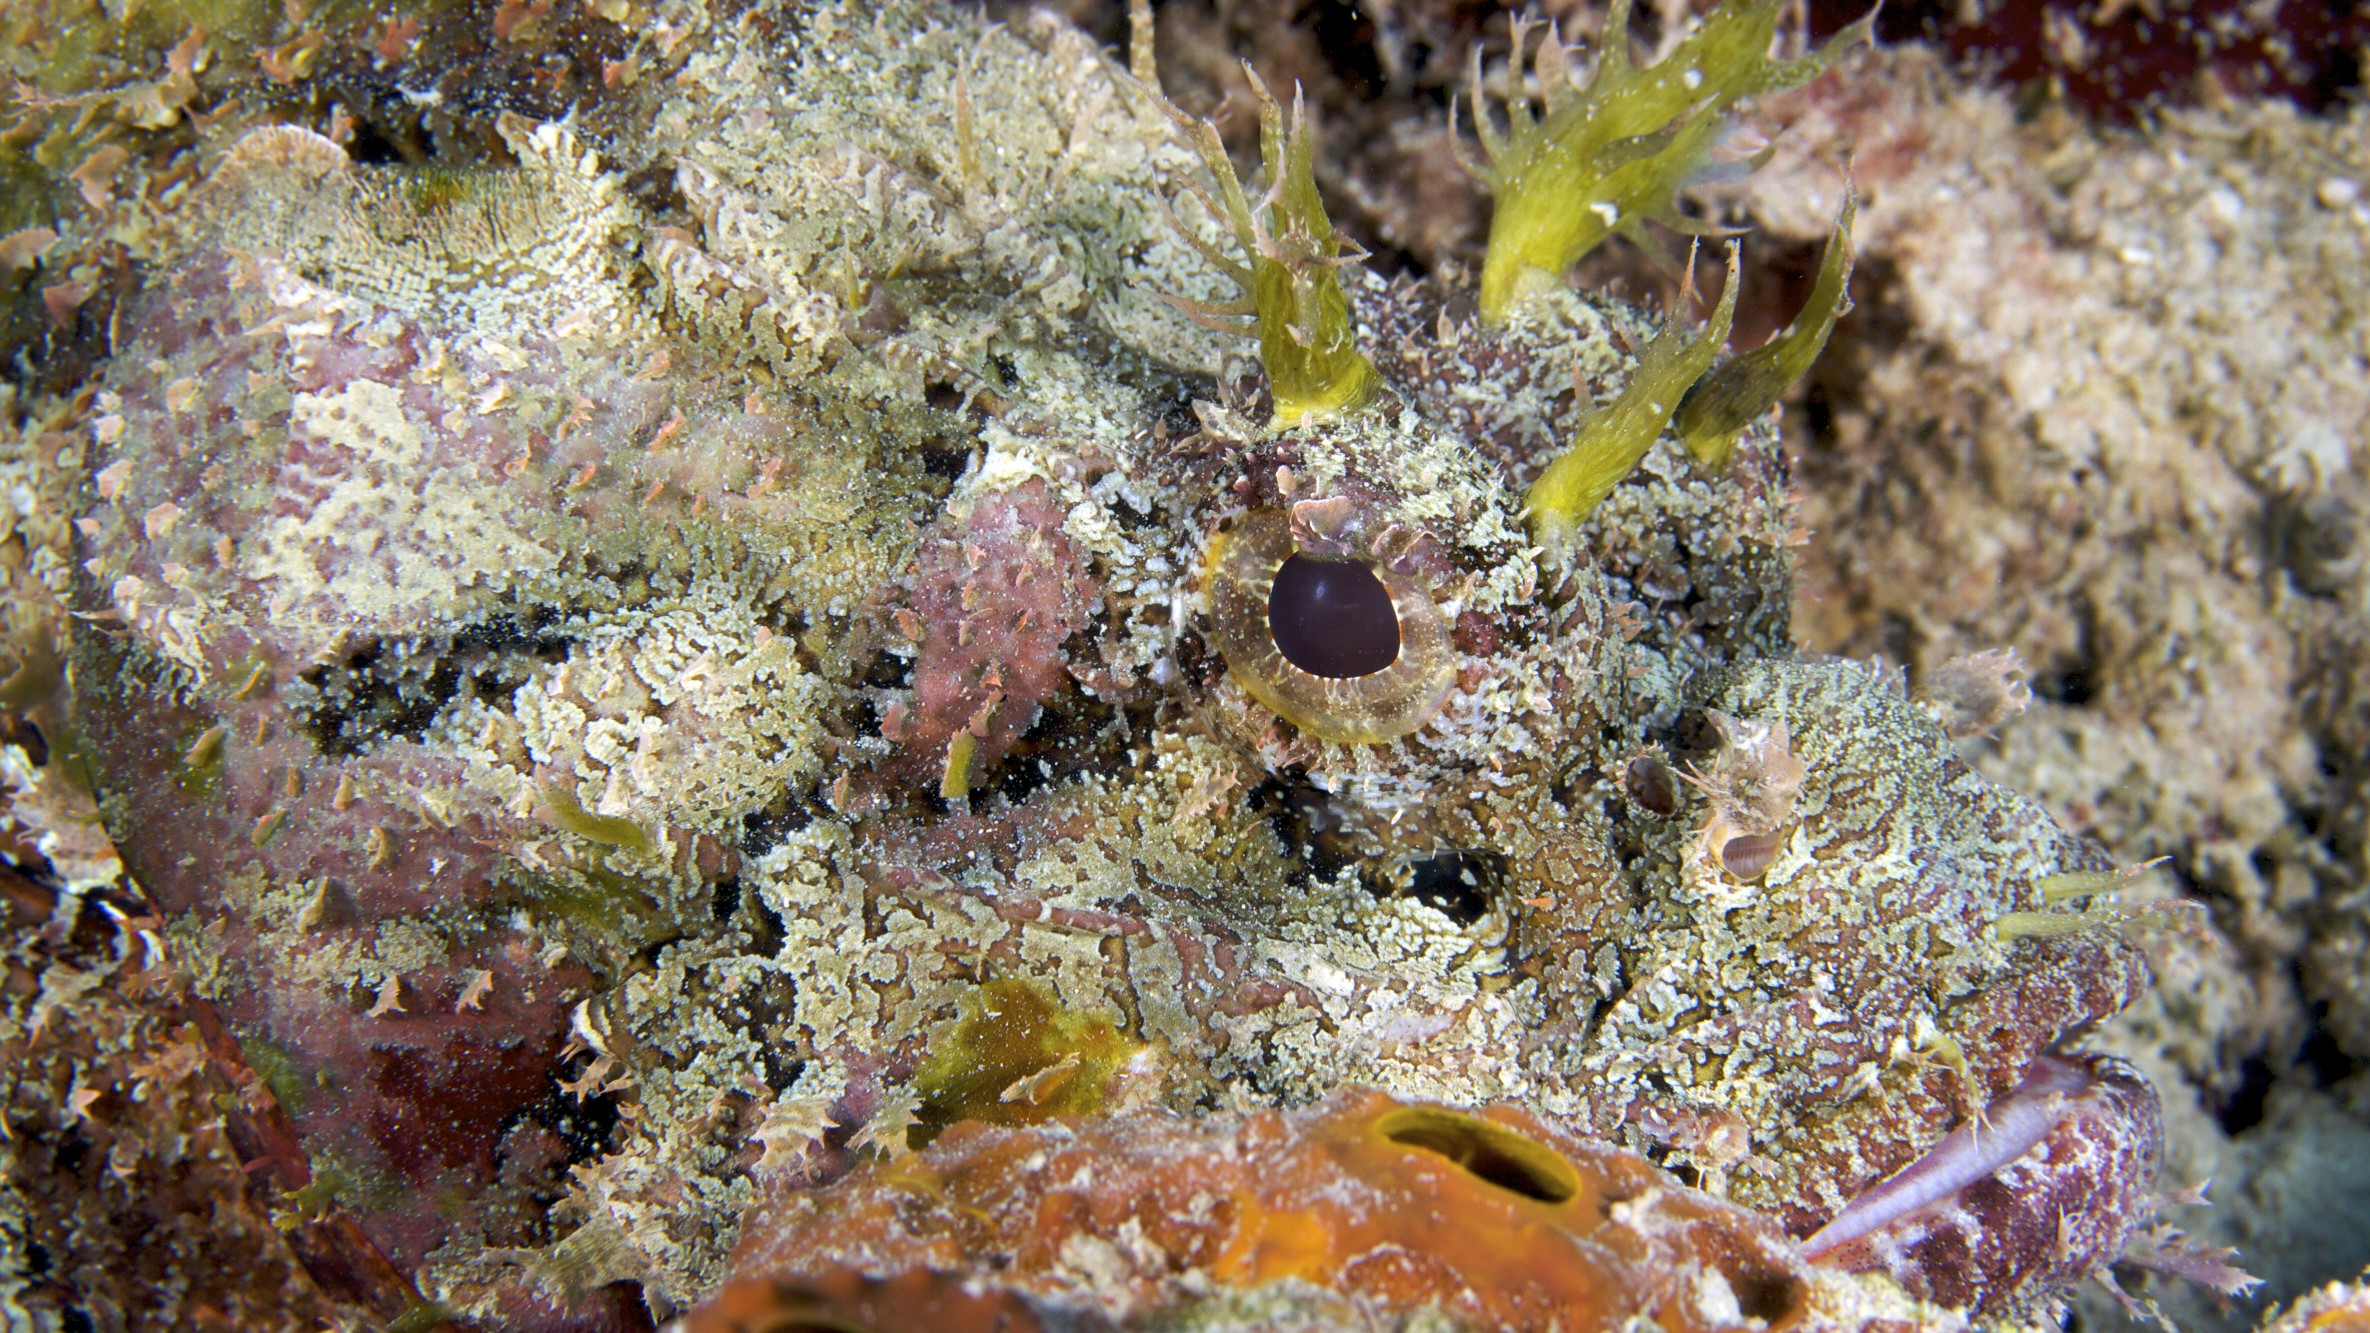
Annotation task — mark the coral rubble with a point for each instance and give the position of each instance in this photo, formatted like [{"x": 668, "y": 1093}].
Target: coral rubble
[{"x": 2339, "y": 1307}]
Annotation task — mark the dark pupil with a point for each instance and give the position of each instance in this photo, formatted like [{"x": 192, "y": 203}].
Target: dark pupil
[{"x": 1332, "y": 618}]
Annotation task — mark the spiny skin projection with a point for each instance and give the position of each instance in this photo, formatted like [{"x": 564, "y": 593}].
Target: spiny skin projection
[
  {"x": 1987, "y": 1226},
  {"x": 633, "y": 705}
]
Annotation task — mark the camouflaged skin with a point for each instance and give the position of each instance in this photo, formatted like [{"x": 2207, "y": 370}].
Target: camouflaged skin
[{"x": 508, "y": 607}]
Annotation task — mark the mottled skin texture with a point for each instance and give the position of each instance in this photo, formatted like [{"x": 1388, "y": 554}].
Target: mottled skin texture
[
  {"x": 128, "y": 1114},
  {"x": 1981, "y": 485},
  {"x": 2044, "y": 1220},
  {"x": 575, "y": 828},
  {"x": 997, "y": 591}
]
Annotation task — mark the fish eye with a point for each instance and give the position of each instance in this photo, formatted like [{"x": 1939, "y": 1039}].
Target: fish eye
[
  {"x": 1339, "y": 647},
  {"x": 1332, "y": 618}
]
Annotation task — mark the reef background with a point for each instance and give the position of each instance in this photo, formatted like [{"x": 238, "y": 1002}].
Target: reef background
[{"x": 2101, "y": 401}]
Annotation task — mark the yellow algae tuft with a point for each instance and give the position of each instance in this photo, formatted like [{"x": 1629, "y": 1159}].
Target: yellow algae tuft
[
  {"x": 1723, "y": 403},
  {"x": 1617, "y": 152},
  {"x": 1612, "y": 441},
  {"x": 955, "y": 785},
  {"x": 1018, "y": 1058},
  {"x": 568, "y": 814},
  {"x": 1291, "y": 284}
]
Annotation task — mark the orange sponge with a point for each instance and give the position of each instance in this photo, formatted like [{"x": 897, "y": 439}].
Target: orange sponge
[{"x": 1359, "y": 1210}]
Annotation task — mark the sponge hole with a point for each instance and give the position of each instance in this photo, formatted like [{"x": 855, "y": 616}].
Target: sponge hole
[{"x": 1489, "y": 1151}]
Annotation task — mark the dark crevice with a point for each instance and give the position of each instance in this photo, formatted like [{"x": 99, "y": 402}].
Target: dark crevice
[
  {"x": 21, "y": 731},
  {"x": 949, "y": 462},
  {"x": 1066, "y": 740},
  {"x": 73, "y": 1149},
  {"x": 1460, "y": 884},
  {"x": 1344, "y": 32},
  {"x": 2073, "y": 678},
  {"x": 654, "y": 188},
  {"x": 1691, "y": 740},
  {"x": 889, "y": 671},
  {"x": 763, "y": 830},
  {"x": 2242, "y": 1110},
  {"x": 2315, "y": 540},
  {"x": 1020, "y": 776},
  {"x": 371, "y": 146},
  {"x": 1765, "y": 1296},
  {"x": 396, "y": 688},
  {"x": 42, "y": 355},
  {"x": 782, "y": 1068},
  {"x": 2317, "y": 1056},
  {"x": 2324, "y": 1059},
  {"x": 766, "y": 931},
  {"x": 1669, "y": 1159},
  {"x": 628, "y": 1305},
  {"x": 586, "y": 1128},
  {"x": 2067, "y": 683},
  {"x": 1303, "y": 817}
]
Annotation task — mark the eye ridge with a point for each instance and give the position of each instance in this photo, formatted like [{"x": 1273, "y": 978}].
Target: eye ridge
[
  {"x": 1332, "y": 618},
  {"x": 1344, "y": 650}
]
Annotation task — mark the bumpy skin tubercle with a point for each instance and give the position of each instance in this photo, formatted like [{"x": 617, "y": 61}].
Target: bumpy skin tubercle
[{"x": 735, "y": 680}]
